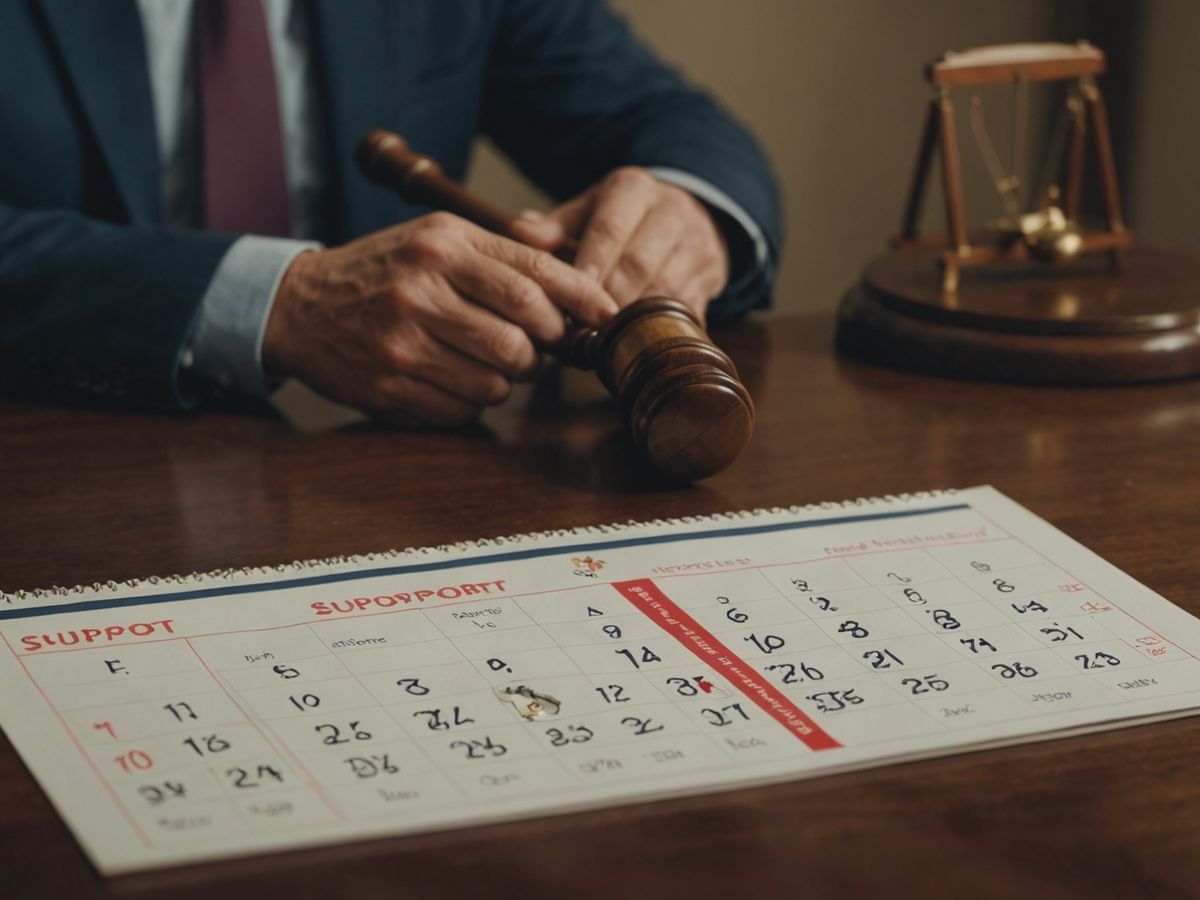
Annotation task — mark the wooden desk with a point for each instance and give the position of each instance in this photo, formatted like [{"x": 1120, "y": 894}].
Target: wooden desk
[{"x": 87, "y": 496}]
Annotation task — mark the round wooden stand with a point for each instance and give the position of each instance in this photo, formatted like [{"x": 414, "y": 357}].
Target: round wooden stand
[{"x": 1079, "y": 323}]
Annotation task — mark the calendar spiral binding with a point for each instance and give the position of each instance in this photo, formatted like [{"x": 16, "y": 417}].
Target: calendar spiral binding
[{"x": 307, "y": 565}]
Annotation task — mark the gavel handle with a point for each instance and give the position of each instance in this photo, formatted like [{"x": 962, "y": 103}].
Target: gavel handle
[{"x": 384, "y": 158}]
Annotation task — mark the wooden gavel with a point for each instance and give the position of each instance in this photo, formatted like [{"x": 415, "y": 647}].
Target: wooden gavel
[{"x": 680, "y": 395}]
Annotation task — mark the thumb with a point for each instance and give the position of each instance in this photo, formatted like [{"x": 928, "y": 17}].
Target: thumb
[
  {"x": 573, "y": 214},
  {"x": 538, "y": 230}
]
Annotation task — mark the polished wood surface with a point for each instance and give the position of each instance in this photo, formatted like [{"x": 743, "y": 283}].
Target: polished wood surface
[
  {"x": 90, "y": 495},
  {"x": 1159, "y": 291},
  {"x": 1067, "y": 323},
  {"x": 686, "y": 410}
]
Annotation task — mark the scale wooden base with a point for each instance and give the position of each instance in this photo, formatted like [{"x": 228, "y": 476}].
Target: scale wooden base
[{"x": 1074, "y": 323}]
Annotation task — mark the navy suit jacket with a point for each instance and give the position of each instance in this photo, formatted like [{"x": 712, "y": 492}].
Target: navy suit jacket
[{"x": 97, "y": 298}]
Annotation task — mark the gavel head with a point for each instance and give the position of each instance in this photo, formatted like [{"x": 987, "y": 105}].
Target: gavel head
[{"x": 686, "y": 409}]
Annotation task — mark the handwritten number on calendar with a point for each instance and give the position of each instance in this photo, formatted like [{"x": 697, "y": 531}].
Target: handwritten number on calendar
[
  {"x": 614, "y": 693},
  {"x": 1098, "y": 660},
  {"x": 852, "y": 628},
  {"x": 725, "y": 715},
  {"x": 912, "y": 595},
  {"x": 980, "y": 566},
  {"x": 207, "y": 744},
  {"x": 286, "y": 672},
  {"x": 612, "y": 631},
  {"x": 334, "y": 734},
  {"x": 370, "y": 766},
  {"x": 977, "y": 644},
  {"x": 305, "y": 701},
  {"x": 732, "y": 615},
  {"x": 181, "y": 710},
  {"x": 789, "y": 676},
  {"x": 685, "y": 687},
  {"x": 1031, "y": 606},
  {"x": 1058, "y": 633},
  {"x": 647, "y": 656},
  {"x": 835, "y": 701},
  {"x": 900, "y": 578},
  {"x": 1014, "y": 670},
  {"x": 1003, "y": 586},
  {"x": 413, "y": 686},
  {"x": 134, "y": 759},
  {"x": 768, "y": 643},
  {"x": 801, "y": 585},
  {"x": 479, "y": 749},
  {"x": 105, "y": 726},
  {"x": 154, "y": 794},
  {"x": 641, "y": 726},
  {"x": 245, "y": 778},
  {"x": 882, "y": 659},
  {"x": 823, "y": 603},
  {"x": 925, "y": 684},
  {"x": 573, "y": 734},
  {"x": 435, "y": 722},
  {"x": 944, "y": 619}
]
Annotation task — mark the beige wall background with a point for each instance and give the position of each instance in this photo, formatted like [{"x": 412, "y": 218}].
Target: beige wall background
[
  {"x": 1164, "y": 170},
  {"x": 834, "y": 92}
]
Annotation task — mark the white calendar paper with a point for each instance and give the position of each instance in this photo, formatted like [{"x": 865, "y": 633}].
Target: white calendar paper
[{"x": 179, "y": 721}]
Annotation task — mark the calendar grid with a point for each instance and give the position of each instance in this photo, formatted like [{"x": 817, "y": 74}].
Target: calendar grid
[
  {"x": 1059, "y": 566},
  {"x": 276, "y": 742},
  {"x": 304, "y": 715},
  {"x": 126, "y": 813},
  {"x": 382, "y": 706},
  {"x": 312, "y": 782}
]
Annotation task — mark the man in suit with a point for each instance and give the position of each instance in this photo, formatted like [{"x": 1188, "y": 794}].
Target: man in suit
[{"x": 180, "y": 216}]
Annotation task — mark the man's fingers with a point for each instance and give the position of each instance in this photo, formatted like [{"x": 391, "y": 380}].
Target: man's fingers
[
  {"x": 695, "y": 290},
  {"x": 539, "y": 230},
  {"x": 510, "y": 294},
  {"x": 429, "y": 360},
  {"x": 620, "y": 203},
  {"x": 655, "y": 242},
  {"x": 678, "y": 271},
  {"x": 573, "y": 215},
  {"x": 482, "y": 335},
  {"x": 565, "y": 285}
]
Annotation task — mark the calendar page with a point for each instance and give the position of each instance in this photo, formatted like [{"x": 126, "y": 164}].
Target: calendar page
[{"x": 178, "y": 720}]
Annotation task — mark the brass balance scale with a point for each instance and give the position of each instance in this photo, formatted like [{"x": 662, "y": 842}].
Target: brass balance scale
[{"x": 1037, "y": 296}]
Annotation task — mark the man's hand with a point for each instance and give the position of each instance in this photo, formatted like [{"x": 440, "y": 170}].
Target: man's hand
[
  {"x": 426, "y": 322},
  {"x": 638, "y": 237}
]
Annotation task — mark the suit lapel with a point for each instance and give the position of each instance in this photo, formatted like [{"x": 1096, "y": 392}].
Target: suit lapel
[{"x": 104, "y": 54}]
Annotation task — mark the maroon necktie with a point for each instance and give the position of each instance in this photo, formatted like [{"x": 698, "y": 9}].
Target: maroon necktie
[{"x": 245, "y": 187}]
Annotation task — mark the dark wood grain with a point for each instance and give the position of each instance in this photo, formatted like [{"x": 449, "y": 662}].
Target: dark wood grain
[
  {"x": 89, "y": 495},
  {"x": 1077, "y": 322}
]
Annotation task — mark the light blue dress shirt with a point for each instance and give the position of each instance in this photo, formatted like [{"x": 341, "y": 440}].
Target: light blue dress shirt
[{"x": 226, "y": 343}]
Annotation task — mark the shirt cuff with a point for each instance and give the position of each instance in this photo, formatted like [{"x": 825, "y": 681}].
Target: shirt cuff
[
  {"x": 719, "y": 200},
  {"x": 226, "y": 341}
]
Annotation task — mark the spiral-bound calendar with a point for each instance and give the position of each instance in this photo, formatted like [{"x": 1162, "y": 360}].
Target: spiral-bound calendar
[{"x": 182, "y": 719}]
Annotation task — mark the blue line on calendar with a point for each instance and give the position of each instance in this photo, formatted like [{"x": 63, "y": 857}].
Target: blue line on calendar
[{"x": 531, "y": 553}]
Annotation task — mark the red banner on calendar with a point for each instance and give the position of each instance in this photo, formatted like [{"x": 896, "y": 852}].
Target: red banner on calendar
[{"x": 664, "y": 612}]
